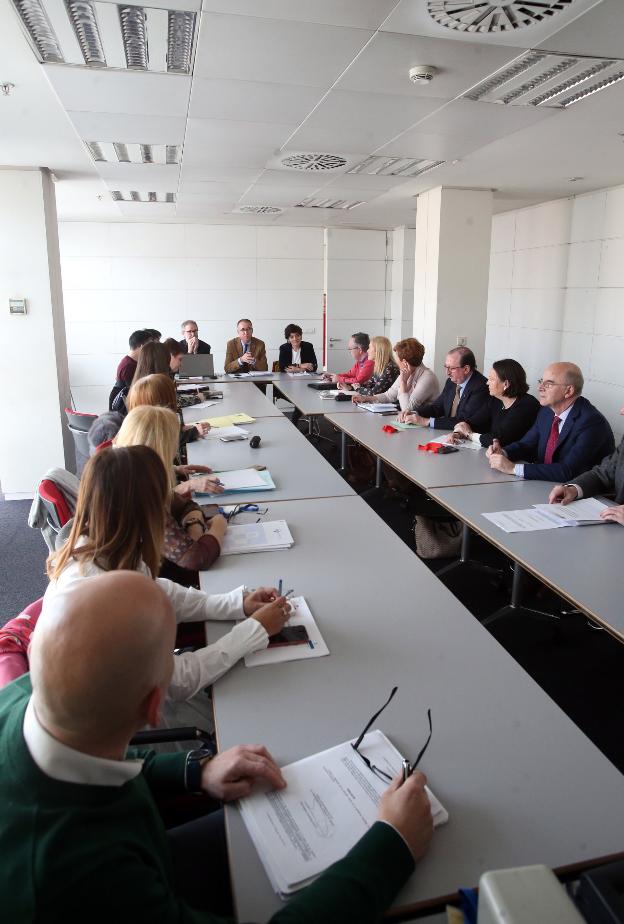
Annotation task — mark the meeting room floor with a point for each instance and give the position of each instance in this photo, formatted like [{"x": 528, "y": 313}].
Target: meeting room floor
[{"x": 581, "y": 668}]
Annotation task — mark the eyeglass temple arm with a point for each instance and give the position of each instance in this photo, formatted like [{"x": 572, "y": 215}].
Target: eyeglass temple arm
[
  {"x": 426, "y": 744},
  {"x": 377, "y": 714}
]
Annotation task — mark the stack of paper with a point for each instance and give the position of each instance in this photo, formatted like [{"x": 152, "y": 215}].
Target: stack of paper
[
  {"x": 330, "y": 801},
  {"x": 584, "y": 512},
  {"x": 228, "y": 420},
  {"x": 331, "y": 393},
  {"x": 217, "y": 433},
  {"x": 257, "y": 537},
  {"x": 379, "y": 408},
  {"x": 406, "y": 426},
  {"x": 300, "y": 616},
  {"x": 241, "y": 481},
  {"x": 465, "y": 444}
]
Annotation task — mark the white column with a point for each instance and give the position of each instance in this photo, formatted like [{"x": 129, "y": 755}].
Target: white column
[
  {"x": 399, "y": 324},
  {"x": 35, "y": 380},
  {"x": 453, "y": 228}
]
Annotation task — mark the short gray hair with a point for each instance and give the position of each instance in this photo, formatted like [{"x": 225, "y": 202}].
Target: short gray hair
[
  {"x": 574, "y": 377},
  {"x": 362, "y": 340}
]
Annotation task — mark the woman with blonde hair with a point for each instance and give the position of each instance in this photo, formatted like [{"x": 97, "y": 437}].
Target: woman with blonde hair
[
  {"x": 190, "y": 541},
  {"x": 119, "y": 525},
  {"x": 385, "y": 370},
  {"x": 415, "y": 385}
]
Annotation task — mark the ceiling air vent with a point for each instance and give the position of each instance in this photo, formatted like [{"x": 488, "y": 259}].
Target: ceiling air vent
[
  {"x": 379, "y": 165},
  {"x": 134, "y": 196},
  {"x": 119, "y": 152},
  {"x": 484, "y": 17},
  {"x": 102, "y": 34},
  {"x": 328, "y": 202},
  {"x": 258, "y": 210},
  {"x": 313, "y": 162},
  {"x": 545, "y": 78}
]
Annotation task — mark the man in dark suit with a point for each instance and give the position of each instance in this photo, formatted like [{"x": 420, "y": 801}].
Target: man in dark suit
[
  {"x": 463, "y": 397},
  {"x": 605, "y": 478},
  {"x": 190, "y": 342},
  {"x": 568, "y": 437},
  {"x": 245, "y": 353}
]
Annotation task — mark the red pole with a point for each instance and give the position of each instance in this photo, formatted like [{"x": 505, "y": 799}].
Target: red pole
[{"x": 324, "y": 328}]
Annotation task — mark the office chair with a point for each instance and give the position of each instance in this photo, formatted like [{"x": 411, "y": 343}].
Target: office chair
[
  {"x": 79, "y": 421},
  {"x": 81, "y": 448}
]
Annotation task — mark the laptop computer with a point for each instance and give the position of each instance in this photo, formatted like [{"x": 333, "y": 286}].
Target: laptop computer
[{"x": 197, "y": 364}]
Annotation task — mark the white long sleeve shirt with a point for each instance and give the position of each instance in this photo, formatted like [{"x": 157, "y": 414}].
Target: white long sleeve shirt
[{"x": 192, "y": 670}]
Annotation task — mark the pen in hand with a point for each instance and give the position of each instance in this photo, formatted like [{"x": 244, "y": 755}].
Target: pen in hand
[{"x": 407, "y": 769}]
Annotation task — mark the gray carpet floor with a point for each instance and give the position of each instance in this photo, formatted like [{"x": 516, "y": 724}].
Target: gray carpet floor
[{"x": 23, "y": 554}]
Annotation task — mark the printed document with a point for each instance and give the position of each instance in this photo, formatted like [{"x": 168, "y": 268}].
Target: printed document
[
  {"x": 229, "y": 420},
  {"x": 315, "y": 648},
  {"x": 378, "y": 408},
  {"x": 256, "y": 537},
  {"x": 330, "y": 801},
  {"x": 465, "y": 444},
  {"x": 217, "y": 433},
  {"x": 549, "y": 516}
]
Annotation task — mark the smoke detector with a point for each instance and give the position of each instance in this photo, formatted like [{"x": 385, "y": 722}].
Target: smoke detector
[{"x": 422, "y": 73}]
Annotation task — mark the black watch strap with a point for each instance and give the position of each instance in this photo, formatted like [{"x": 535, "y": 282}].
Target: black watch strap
[{"x": 193, "y": 768}]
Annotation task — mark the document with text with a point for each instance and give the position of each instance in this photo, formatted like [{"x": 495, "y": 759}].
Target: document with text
[
  {"x": 315, "y": 647},
  {"x": 583, "y": 512},
  {"x": 330, "y": 801}
]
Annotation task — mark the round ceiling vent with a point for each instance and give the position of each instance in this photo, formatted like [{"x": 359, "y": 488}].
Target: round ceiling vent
[
  {"x": 493, "y": 16},
  {"x": 314, "y": 161},
  {"x": 260, "y": 209}
]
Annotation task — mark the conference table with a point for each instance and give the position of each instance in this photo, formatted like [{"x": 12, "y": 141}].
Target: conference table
[
  {"x": 561, "y": 558},
  {"x": 297, "y": 469},
  {"x": 308, "y": 400},
  {"x": 400, "y": 450},
  {"x": 239, "y": 396},
  {"x": 522, "y": 784}
]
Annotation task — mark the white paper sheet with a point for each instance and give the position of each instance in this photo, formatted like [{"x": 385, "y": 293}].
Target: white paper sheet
[
  {"x": 300, "y": 616},
  {"x": 256, "y": 537},
  {"x": 215, "y": 433},
  {"x": 584, "y": 511},
  {"x": 378, "y": 408},
  {"x": 522, "y": 521},
  {"x": 203, "y": 404},
  {"x": 330, "y": 801},
  {"x": 465, "y": 444},
  {"x": 239, "y": 479}
]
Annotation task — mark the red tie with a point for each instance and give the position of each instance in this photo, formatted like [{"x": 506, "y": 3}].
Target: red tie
[{"x": 553, "y": 439}]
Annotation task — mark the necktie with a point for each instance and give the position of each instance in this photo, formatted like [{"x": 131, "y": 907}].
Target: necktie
[
  {"x": 553, "y": 439},
  {"x": 455, "y": 403}
]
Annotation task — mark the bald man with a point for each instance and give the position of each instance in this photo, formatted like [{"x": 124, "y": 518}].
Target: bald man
[
  {"x": 80, "y": 835},
  {"x": 568, "y": 437}
]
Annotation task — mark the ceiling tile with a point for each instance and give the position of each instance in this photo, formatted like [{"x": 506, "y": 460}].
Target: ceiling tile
[
  {"x": 275, "y": 195},
  {"x": 287, "y": 178},
  {"x": 362, "y": 14},
  {"x": 131, "y": 129},
  {"x": 236, "y": 144},
  {"x": 84, "y": 90},
  {"x": 275, "y": 51},
  {"x": 598, "y": 32},
  {"x": 127, "y": 174},
  {"x": 195, "y": 176},
  {"x": 383, "y": 67},
  {"x": 354, "y": 122},
  {"x": 247, "y": 101}
]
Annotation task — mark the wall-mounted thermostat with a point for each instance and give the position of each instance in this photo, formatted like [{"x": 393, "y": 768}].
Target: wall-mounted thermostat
[{"x": 17, "y": 306}]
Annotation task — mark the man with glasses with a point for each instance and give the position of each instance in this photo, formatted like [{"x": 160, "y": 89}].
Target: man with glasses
[
  {"x": 362, "y": 368},
  {"x": 190, "y": 342},
  {"x": 245, "y": 353},
  {"x": 568, "y": 437},
  {"x": 465, "y": 395}
]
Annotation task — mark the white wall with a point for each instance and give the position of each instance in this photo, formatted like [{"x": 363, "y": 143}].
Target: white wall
[
  {"x": 557, "y": 292},
  {"x": 120, "y": 277},
  {"x": 34, "y": 365}
]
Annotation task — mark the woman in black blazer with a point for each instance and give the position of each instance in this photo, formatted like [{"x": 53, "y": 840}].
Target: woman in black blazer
[{"x": 296, "y": 354}]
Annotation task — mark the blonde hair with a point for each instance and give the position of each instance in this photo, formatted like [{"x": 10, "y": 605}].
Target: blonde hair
[
  {"x": 383, "y": 353},
  {"x": 156, "y": 427},
  {"x": 155, "y": 389}
]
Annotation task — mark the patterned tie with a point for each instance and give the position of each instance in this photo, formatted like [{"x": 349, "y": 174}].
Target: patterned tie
[
  {"x": 553, "y": 439},
  {"x": 455, "y": 403}
]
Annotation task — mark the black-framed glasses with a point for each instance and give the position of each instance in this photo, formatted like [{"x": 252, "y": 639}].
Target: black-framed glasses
[
  {"x": 379, "y": 773},
  {"x": 245, "y": 508}
]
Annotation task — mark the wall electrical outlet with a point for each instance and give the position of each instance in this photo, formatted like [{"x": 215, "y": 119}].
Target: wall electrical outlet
[
  {"x": 309, "y": 330},
  {"x": 462, "y": 341}
]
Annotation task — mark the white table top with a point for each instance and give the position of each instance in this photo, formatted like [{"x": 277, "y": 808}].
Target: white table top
[
  {"x": 400, "y": 450},
  {"x": 241, "y": 396},
  {"x": 580, "y": 563},
  {"x": 308, "y": 400},
  {"x": 521, "y": 783},
  {"x": 297, "y": 469}
]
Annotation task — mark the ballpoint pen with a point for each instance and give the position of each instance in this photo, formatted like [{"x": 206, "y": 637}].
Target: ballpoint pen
[{"x": 407, "y": 769}]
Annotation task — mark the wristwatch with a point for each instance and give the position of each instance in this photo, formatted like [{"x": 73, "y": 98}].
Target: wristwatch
[{"x": 193, "y": 768}]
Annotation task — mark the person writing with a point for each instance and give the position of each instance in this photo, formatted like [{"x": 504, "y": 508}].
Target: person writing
[
  {"x": 79, "y": 825},
  {"x": 568, "y": 437},
  {"x": 510, "y": 412},
  {"x": 296, "y": 355},
  {"x": 607, "y": 477},
  {"x": 245, "y": 352},
  {"x": 413, "y": 385},
  {"x": 362, "y": 368}
]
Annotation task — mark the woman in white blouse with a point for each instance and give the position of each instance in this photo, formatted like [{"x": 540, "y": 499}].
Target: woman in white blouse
[
  {"x": 119, "y": 525},
  {"x": 415, "y": 385}
]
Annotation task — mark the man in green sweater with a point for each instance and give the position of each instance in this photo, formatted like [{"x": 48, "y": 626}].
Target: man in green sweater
[{"x": 80, "y": 834}]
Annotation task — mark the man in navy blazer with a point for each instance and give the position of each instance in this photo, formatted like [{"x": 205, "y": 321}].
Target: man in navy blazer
[
  {"x": 464, "y": 396},
  {"x": 568, "y": 437}
]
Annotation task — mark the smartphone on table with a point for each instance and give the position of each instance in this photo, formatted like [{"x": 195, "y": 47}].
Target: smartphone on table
[{"x": 290, "y": 635}]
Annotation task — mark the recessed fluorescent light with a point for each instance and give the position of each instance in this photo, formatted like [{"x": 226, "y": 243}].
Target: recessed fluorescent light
[
  {"x": 132, "y": 19},
  {"x": 181, "y": 28},
  {"x": 582, "y": 94},
  {"x": 95, "y": 150},
  {"x": 539, "y": 79},
  {"x": 146, "y": 153},
  {"x": 118, "y": 152},
  {"x": 150, "y": 197},
  {"x": 122, "y": 152},
  {"x": 571, "y": 83},
  {"x": 84, "y": 22},
  {"x": 117, "y": 196},
  {"x": 378, "y": 165},
  {"x": 328, "y": 202},
  {"x": 172, "y": 154},
  {"x": 528, "y": 60},
  {"x": 259, "y": 210},
  {"x": 35, "y": 19}
]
